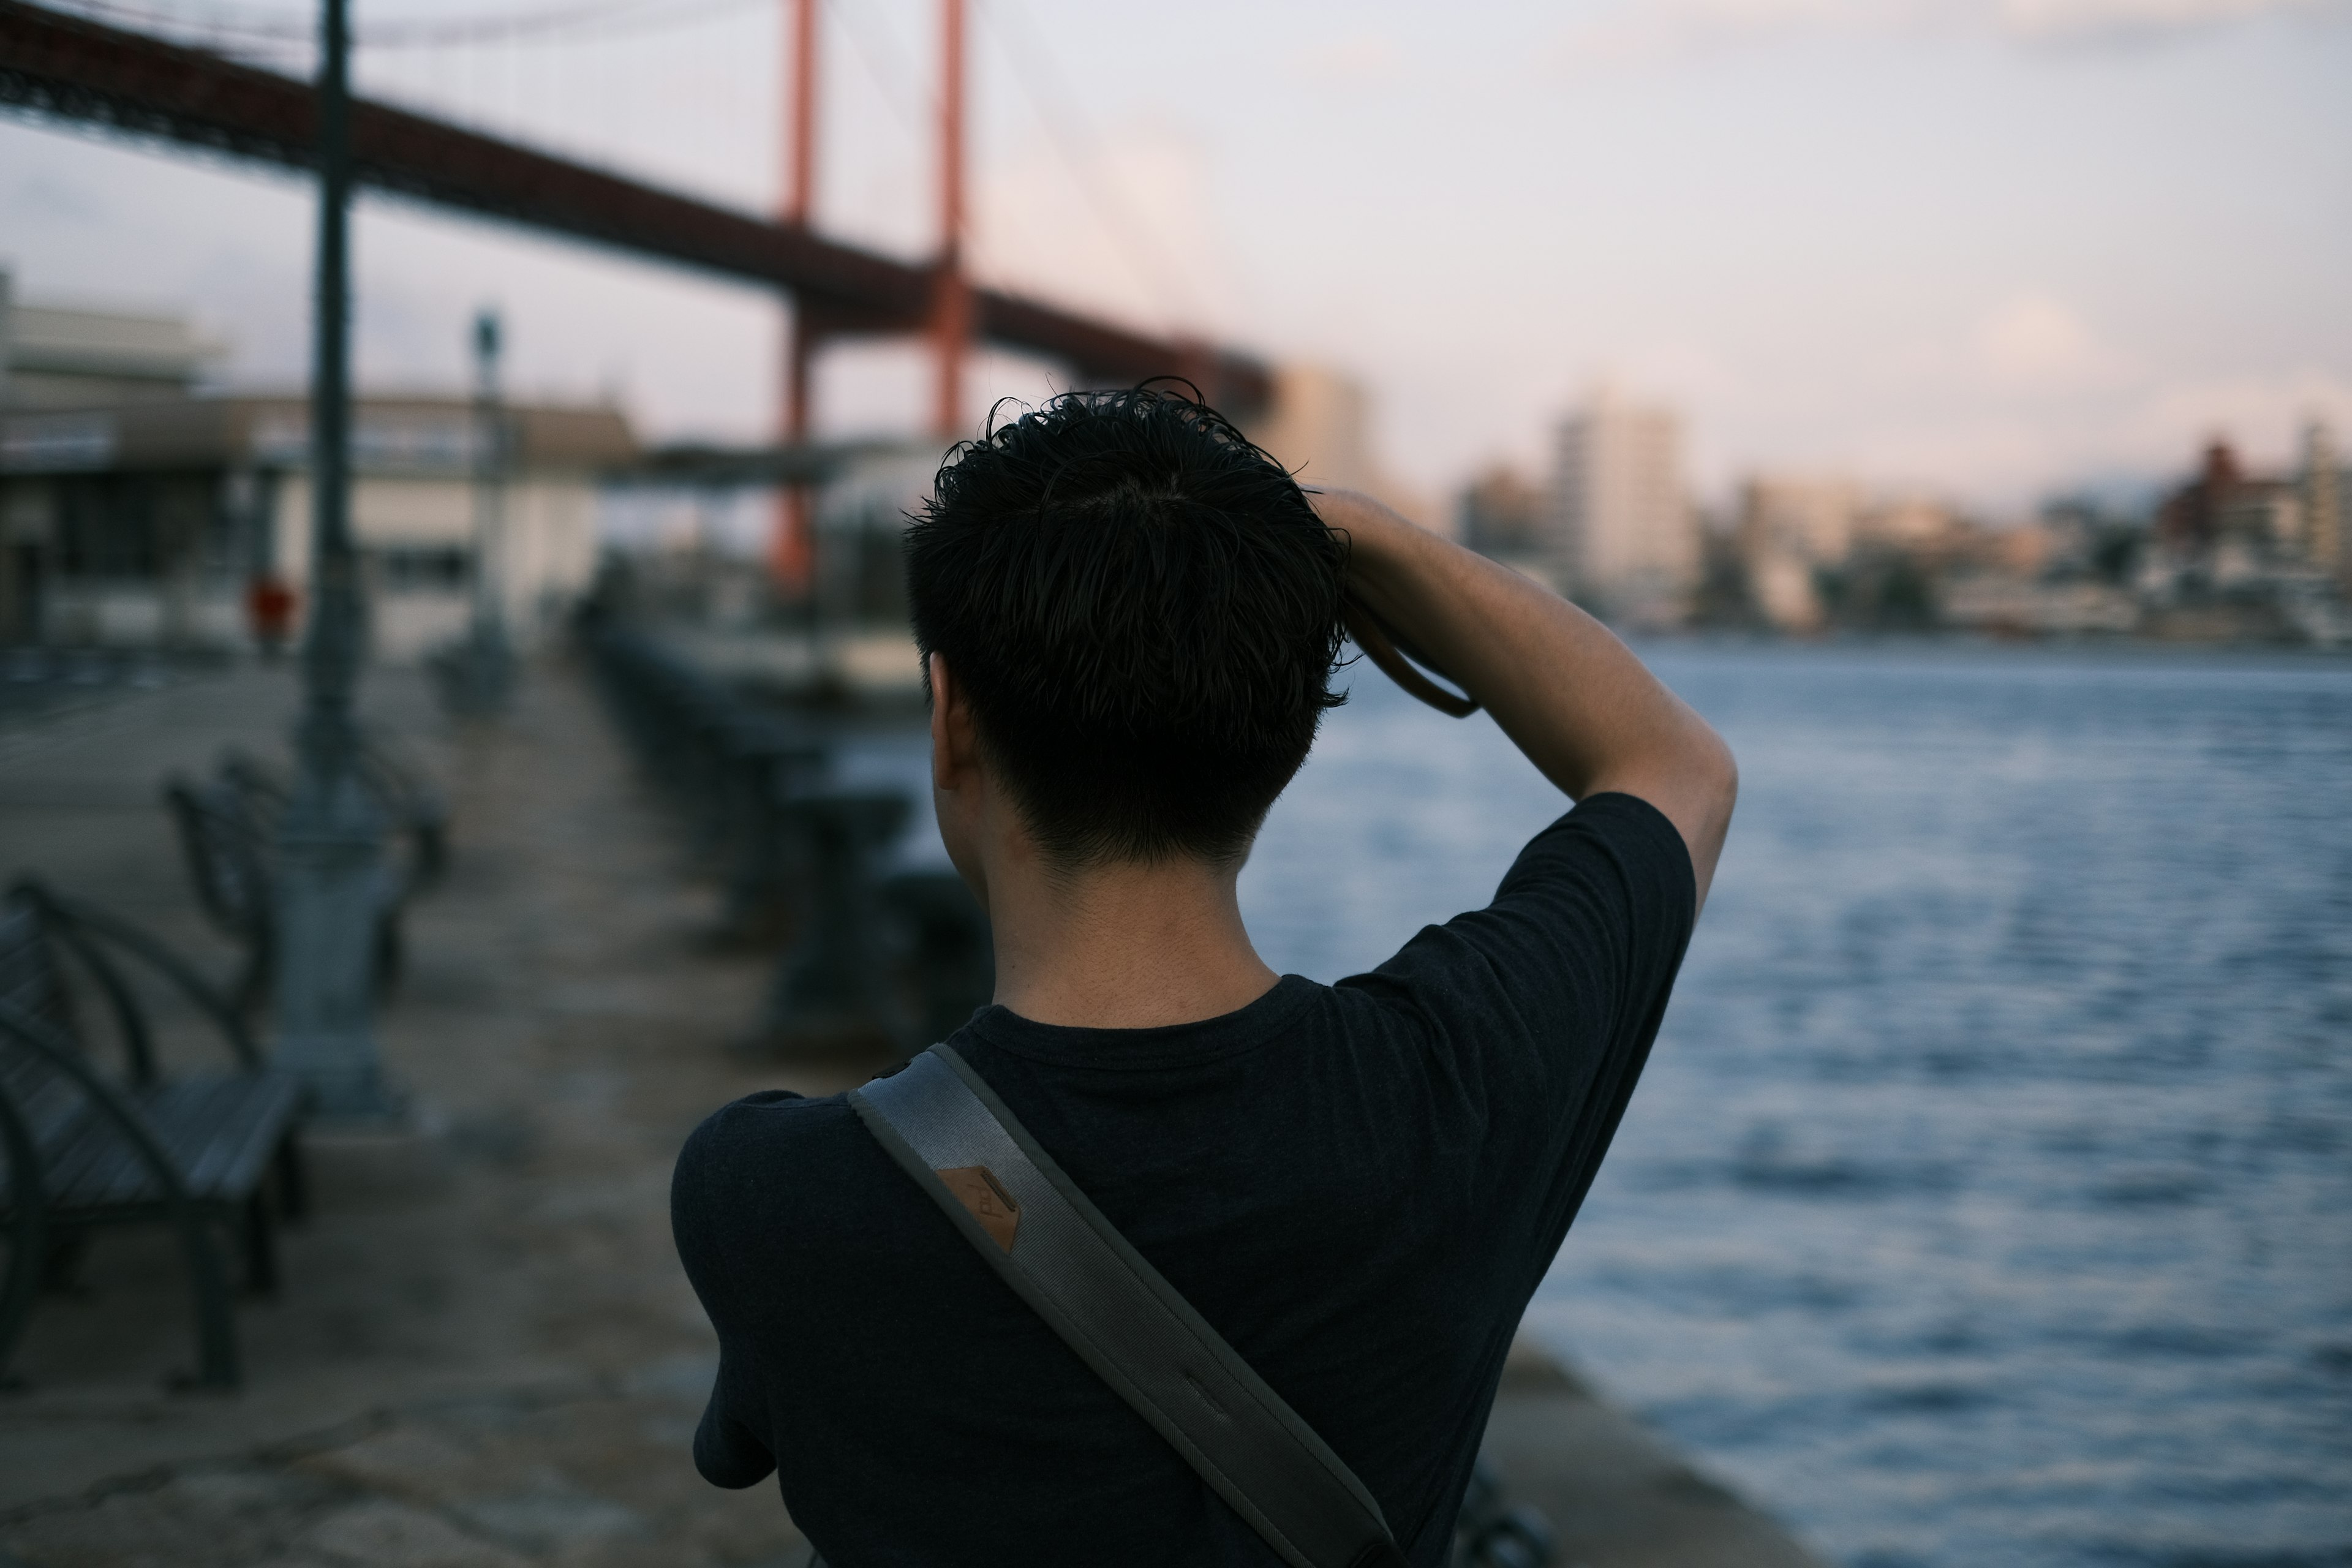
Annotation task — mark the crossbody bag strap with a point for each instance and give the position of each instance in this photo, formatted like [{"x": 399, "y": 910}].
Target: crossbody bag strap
[{"x": 946, "y": 1127}]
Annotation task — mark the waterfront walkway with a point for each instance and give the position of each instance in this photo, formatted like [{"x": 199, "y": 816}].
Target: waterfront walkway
[{"x": 484, "y": 1353}]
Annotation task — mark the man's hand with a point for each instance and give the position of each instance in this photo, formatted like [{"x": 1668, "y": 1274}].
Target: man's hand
[{"x": 1568, "y": 694}]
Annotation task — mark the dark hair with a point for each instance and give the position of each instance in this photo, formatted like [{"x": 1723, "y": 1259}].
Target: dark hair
[{"x": 1143, "y": 611}]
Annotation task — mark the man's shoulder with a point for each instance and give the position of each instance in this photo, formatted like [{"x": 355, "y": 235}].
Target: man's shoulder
[
  {"x": 772, "y": 1160},
  {"x": 773, "y": 1123}
]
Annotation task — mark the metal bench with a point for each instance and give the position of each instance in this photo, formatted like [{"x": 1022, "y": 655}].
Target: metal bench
[
  {"x": 734, "y": 766},
  {"x": 884, "y": 960},
  {"x": 86, "y": 1148},
  {"x": 874, "y": 960},
  {"x": 415, "y": 814},
  {"x": 228, "y": 832},
  {"x": 936, "y": 942},
  {"x": 225, "y": 843}
]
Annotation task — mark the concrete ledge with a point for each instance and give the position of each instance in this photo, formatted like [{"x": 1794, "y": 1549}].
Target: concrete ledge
[{"x": 1616, "y": 1496}]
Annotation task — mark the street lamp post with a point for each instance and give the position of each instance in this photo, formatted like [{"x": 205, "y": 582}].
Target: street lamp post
[
  {"x": 478, "y": 676},
  {"x": 330, "y": 890}
]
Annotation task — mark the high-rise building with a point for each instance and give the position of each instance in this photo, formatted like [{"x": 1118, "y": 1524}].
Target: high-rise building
[
  {"x": 1500, "y": 514},
  {"x": 1320, "y": 426},
  {"x": 1625, "y": 535},
  {"x": 2325, "y": 524},
  {"x": 1812, "y": 516}
]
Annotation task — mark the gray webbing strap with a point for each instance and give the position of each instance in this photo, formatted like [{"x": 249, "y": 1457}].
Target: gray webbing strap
[{"x": 950, "y": 1132}]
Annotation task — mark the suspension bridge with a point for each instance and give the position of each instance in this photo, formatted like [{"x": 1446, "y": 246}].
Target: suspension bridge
[{"x": 91, "y": 67}]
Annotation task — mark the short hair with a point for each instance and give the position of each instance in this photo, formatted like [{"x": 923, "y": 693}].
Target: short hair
[{"x": 1144, "y": 612}]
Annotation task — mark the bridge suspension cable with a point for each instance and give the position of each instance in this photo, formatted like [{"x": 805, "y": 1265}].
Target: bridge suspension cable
[{"x": 1041, "y": 82}]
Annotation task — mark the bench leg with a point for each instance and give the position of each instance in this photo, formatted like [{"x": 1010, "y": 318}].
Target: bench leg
[
  {"x": 216, "y": 1329},
  {"x": 293, "y": 1181},
  {"x": 61, "y": 1270},
  {"x": 252, "y": 983},
  {"x": 260, "y": 1246},
  {"x": 391, "y": 955},
  {"x": 28, "y": 1256}
]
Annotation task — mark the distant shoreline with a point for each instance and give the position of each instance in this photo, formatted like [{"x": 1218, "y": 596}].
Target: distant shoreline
[{"x": 1726, "y": 637}]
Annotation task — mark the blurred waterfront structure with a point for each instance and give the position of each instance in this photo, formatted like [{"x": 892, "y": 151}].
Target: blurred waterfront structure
[
  {"x": 1624, "y": 536},
  {"x": 56, "y": 356},
  {"x": 138, "y": 511}
]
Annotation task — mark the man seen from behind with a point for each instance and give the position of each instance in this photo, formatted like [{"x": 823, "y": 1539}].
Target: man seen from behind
[{"x": 1130, "y": 618}]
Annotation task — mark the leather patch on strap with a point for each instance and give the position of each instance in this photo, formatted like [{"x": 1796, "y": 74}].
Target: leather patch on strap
[{"x": 976, "y": 1187}]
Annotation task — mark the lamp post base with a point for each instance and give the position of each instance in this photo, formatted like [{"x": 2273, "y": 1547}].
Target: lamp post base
[
  {"x": 476, "y": 677},
  {"x": 332, "y": 900}
]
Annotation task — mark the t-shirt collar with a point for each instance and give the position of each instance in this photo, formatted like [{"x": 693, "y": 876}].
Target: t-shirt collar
[{"x": 1165, "y": 1046}]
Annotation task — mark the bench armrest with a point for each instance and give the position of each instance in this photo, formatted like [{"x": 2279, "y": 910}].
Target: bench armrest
[
  {"x": 91, "y": 932},
  {"x": 61, "y": 1055}
]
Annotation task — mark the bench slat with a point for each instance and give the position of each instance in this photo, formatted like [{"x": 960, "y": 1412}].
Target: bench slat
[{"x": 219, "y": 1133}]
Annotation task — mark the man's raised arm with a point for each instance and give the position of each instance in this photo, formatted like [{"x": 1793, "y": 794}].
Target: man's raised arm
[{"x": 1568, "y": 694}]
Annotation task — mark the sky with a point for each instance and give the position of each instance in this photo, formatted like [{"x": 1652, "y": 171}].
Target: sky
[{"x": 1984, "y": 249}]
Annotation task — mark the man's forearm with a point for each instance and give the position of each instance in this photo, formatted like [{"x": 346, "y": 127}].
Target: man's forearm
[{"x": 1568, "y": 694}]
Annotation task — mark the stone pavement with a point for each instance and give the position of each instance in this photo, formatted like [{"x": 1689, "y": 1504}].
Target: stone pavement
[{"x": 484, "y": 1353}]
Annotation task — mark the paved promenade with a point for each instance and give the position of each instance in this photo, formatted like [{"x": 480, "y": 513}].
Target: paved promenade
[{"x": 484, "y": 1353}]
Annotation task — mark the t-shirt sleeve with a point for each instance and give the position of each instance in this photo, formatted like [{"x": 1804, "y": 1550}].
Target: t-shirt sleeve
[
  {"x": 732, "y": 1446},
  {"x": 1545, "y": 1002}
]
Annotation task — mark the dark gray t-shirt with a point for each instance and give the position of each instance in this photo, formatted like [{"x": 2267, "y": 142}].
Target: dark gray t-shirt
[{"x": 1359, "y": 1186}]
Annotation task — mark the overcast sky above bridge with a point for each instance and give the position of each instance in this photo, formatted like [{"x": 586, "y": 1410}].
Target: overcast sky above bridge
[{"x": 1982, "y": 247}]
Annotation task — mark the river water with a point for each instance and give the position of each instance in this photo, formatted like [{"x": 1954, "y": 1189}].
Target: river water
[{"x": 1989, "y": 1196}]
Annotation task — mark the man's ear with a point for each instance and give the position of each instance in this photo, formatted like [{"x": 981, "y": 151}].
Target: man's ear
[{"x": 953, "y": 744}]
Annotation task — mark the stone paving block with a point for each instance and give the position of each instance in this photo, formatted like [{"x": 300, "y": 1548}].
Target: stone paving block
[
  {"x": 219, "y": 1521},
  {"x": 551, "y": 1518},
  {"x": 380, "y": 1533},
  {"x": 407, "y": 1460}
]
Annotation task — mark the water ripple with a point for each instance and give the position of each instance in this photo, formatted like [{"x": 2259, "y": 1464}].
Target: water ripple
[{"x": 1985, "y": 1199}]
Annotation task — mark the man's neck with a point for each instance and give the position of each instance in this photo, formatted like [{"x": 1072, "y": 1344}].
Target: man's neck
[{"x": 1129, "y": 946}]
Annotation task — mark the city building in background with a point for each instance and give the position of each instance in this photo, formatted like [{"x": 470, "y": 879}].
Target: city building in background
[
  {"x": 2236, "y": 555},
  {"x": 2326, "y": 494},
  {"x": 1624, "y": 535},
  {"x": 1320, "y": 427},
  {"x": 1503, "y": 514},
  {"x": 1818, "y": 547},
  {"x": 142, "y": 507},
  {"x": 2227, "y": 555},
  {"x": 1790, "y": 527}
]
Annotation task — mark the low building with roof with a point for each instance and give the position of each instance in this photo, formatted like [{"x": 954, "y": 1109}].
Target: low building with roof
[{"x": 150, "y": 521}]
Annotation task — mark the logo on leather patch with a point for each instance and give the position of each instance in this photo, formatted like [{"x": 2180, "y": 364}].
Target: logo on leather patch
[{"x": 977, "y": 1188}]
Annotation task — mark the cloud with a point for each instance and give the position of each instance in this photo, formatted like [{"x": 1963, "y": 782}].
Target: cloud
[
  {"x": 1366, "y": 59},
  {"x": 1666, "y": 32},
  {"x": 2033, "y": 339},
  {"x": 1663, "y": 32},
  {"x": 2134, "y": 21}
]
